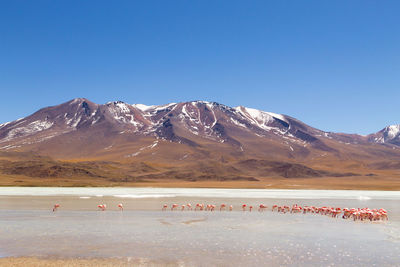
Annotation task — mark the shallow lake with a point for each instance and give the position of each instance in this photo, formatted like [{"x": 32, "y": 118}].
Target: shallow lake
[{"x": 28, "y": 227}]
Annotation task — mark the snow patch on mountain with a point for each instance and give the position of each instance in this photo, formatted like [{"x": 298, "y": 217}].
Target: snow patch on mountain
[
  {"x": 236, "y": 122},
  {"x": 31, "y": 128},
  {"x": 257, "y": 117},
  {"x": 122, "y": 113},
  {"x": 4, "y": 124},
  {"x": 123, "y": 108},
  {"x": 211, "y": 107},
  {"x": 76, "y": 122},
  {"x": 143, "y": 107},
  {"x": 155, "y": 109},
  {"x": 191, "y": 115},
  {"x": 393, "y": 131}
]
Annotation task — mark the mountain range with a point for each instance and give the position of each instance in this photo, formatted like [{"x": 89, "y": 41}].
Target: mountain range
[{"x": 188, "y": 141}]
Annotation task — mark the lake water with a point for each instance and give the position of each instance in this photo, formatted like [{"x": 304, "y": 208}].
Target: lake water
[{"x": 28, "y": 227}]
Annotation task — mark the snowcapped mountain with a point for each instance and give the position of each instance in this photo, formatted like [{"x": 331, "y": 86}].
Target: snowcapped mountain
[
  {"x": 388, "y": 135},
  {"x": 193, "y": 141},
  {"x": 81, "y": 127},
  {"x": 201, "y": 119}
]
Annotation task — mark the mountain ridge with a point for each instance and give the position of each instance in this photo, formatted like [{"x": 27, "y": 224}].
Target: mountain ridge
[
  {"x": 196, "y": 140},
  {"x": 393, "y": 130},
  {"x": 136, "y": 116}
]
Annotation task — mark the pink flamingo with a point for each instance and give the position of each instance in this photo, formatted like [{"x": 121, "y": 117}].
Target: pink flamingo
[
  {"x": 121, "y": 208},
  {"x": 230, "y": 208},
  {"x": 262, "y": 207},
  {"x": 244, "y": 207},
  {"x": 174, "y": 206},
  {"x": 384, "y": 214},
  {"x": 183, "y": 208},
  {"x": 222, "y": 207},
  {"x": 286, "y": 208},
  {"x": 336, "y": 212},
  {"x": 102, "y": 207},
  {"x": 296, "y": 209},
  {"x": 250, "y": 208},
  {"x": 189, "y": 206},
  {"x": 346, "y": 213},
  {"x": 164, "y": 208},
  {"x": 56, "y": 206}
]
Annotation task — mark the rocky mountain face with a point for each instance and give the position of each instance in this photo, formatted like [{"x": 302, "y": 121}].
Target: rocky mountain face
[{"x": 207, "y": 136}]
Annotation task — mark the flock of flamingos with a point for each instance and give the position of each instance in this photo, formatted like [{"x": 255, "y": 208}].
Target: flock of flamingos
[
  {"x": 353, "y": 213},
  {"x": 357, "y": 214}
]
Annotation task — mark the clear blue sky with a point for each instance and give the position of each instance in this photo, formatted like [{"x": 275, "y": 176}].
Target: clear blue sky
[{"x": 332, "y": 64}]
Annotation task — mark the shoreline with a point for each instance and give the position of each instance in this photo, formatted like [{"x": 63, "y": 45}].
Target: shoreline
[
  {"x": 383, "y": 182},
  {"x": 176, "y": 192},
  {"x": 390, "y": 184}
]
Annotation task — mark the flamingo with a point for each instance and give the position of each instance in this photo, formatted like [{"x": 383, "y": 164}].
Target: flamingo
[
  {"x": 296, "y": 209},
  {"x": 102, "y": 207},
  {"x": 262, "y": 207},
  {"x": 286, "y": 208},
  {"x": 164, "y": 208},
  {"x": 250, "y": 208},
  {"x": 121, "y": 208},
  {"x": 182, "y": 207},
  {"x": 200, "y": 206},
  {"x": 222, "y": 207},
  {"x": 384, "y": 216},
  {"x": 230, "y": 208},
  {"x": 56, "y": 206},
  {"x": 281, "y": 209},
  {"x": 244, "y": 207},
  {"x": 189, "y": 206},
  {"x": 174, "y": 206},
  {"x": 336, "y": 212}
]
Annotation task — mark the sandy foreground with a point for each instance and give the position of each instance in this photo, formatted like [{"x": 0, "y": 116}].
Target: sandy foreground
[{"x": 32, "y": 261}]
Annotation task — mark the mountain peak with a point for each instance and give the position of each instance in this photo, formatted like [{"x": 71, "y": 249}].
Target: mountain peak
[
  {"x": 77, "y": 100},
  {"x": 393, "y": 130},
  {"x": 143, "y": 107},
  {"x": 115, "y": 102},
  {"x": 391, "y": 134}
]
